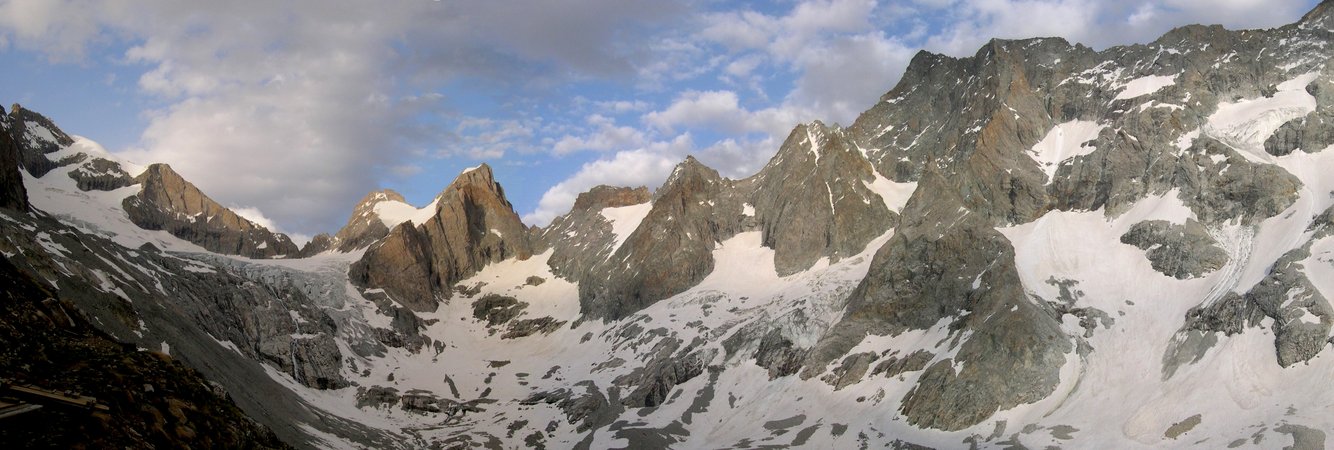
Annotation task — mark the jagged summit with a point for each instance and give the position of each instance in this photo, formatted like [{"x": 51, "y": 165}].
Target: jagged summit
[
  {"x": 473, "y": 225},
  {"x": 37, "y": 137},
  {"x": 169, "y": 202}
]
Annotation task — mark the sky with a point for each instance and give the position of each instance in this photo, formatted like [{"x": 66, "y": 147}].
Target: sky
[{"x": 291, "y": 111}]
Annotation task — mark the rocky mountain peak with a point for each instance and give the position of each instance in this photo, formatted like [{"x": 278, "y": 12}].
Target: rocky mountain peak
[
  {"x": 381, "y": 195},
  {"x": 479, "y": 177},
  {"x": 670, "y": 249},
  {"x": 688, "y": 174},
  {"x": 30, "y": 121},
  {"x": 473, "y": 225},
  {"x": 168, "y": 202},
  {"x": 36, "y": 136},
  {"x": 814, "y": 198}
]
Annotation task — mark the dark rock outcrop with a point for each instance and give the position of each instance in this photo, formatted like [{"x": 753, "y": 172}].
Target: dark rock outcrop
[
  {"x": 1179, "y": 251},
  {"x": 99, "y": 174},
  {"x": 321, "y": 243},
  {"x": 604, "y": 196},
  {"x": 850, "y": 370},
  {"x": 13, "y": 194},
  {"x": 894, "y": 365},
  {"x": 169, "y": 202},
  {"x": 779, "y": 355},
  {"x": 474, "y": 225}
]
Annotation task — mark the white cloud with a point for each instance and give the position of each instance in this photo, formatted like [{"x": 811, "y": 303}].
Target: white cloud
[
  {"x": 721, "y": 111},
  {"x": 647, "y": 166},
  {"x": 605, "y": 136},
  {"x": 845, "y": 76},
  {"x": 482, "y": 138},
  {"x": 296, "y": 107},
  {"x": 623, "y": 106},
  {"x": 254, "y": 215}
]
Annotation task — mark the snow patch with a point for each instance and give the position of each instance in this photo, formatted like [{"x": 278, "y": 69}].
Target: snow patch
[
  {"x": 1064, "y": 142},
  {"x": 624, "y": 220},
  {"x": 1246, "y": 124},
  {"x": 895, "y": 195},
  {"x": 392, "y": 212},
  {"x": 1144, "y": 86}
]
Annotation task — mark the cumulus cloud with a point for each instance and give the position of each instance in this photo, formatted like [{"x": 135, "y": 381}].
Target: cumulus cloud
[
  {"x": 722, "y": 111},
  {"x": 297, "y": 108},
  {"x": 644, "y": 166},
  {"x": 607, "y": 135}
]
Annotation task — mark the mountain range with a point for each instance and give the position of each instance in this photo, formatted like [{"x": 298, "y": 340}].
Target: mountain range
[{"x": 1041, "y": 245}]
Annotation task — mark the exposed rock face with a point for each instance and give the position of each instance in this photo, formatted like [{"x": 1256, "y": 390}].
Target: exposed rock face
[
  {"x": 1302, "y": 315},
  {"x": 474, "y": 225},
  {"x": 1311, "y": 133},
  {"x": 894, "y": 366},
  {"x": 13, "y": 195},
  {"x": 583, "y": 238},
  {"x": 851, "y": 370},
  {"x": 610, "y": 197},
  {"x": 1234, "y": 187},
  {"x": 168, "y": 202},
  {"x": 779, "y": 355},
  {"x": 670, "y": 251},
  {"x": 1320, "y": 18},
  {"x": 812, "y": 199},
  {"x": 1180, "y": 251},
  {"x": 979, "y": 130}
]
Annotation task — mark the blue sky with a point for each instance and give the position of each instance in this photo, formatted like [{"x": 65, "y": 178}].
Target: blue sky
[{"x": 292, "y": 111}]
